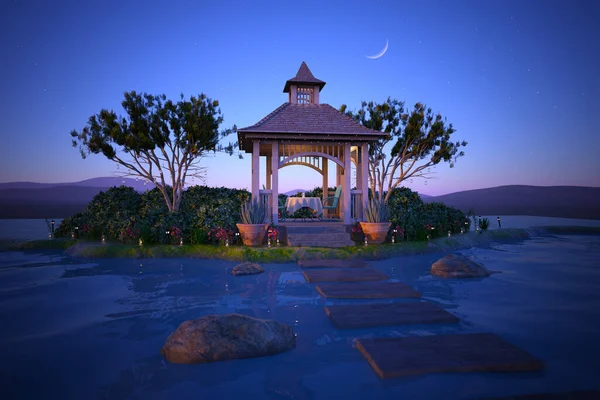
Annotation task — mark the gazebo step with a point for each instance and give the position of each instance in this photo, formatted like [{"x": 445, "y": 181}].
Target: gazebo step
[
  {"x": 310, "y": 243},
  {"x": 329, "y": 236},
  {"x": 329, "y": 239},
  {"x": 318, "y": 234},
  {"x": 309, "y": 228}
]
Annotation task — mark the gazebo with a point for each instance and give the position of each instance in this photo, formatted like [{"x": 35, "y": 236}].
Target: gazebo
[{"x": 303, "y": 131}]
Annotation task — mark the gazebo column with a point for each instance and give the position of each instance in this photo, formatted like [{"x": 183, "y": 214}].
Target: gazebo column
[
  {"x": 255, "y": 169},
  {"x": 274, "y": 166},
  {"x": 364, "y": 175},
  {"x": 346, "y": 195},
  {"x": 325, "y": 170},
  {"x": 268, "y": 172},
  {"x": 358, "y": 211}
]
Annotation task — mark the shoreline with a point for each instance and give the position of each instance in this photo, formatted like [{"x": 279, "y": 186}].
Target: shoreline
[{"x": 285, "y": 254}]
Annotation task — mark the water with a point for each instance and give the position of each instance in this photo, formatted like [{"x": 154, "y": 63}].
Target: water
[
  {"x": 75, "y": 329},
  {"x": 26, "y": 229}
]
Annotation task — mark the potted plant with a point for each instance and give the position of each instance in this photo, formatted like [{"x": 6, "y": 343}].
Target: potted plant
[
  {"x": 253, "y": 227},
  {"x": 377, "y": 223}
]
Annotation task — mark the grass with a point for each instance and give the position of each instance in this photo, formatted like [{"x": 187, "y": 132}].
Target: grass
[{"x": 284, "y": 254}]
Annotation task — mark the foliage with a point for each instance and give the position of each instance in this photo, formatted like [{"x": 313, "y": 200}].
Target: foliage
[
  {"x": 357, "y": 234},
  {"x": 272, "y": 233},
  {"x": 416, "y": 218},
  {"x": 220, "y": 235},
  {"x": 123, "y": 214},
  {"x": 318, "y": 192},
  {"x": 484, "y": 223},
  {"x": 213, "y": 207},
  {"x": 398, "y": 233},
  {"x": 417, "y": 141},
  {"x": 109, "y": 213},
  {"x": 157, "y": 138},
  {"x": 130, "y": 235},
  {"x": 376, "y": 210},
  {"x": 253, "y": 212}
]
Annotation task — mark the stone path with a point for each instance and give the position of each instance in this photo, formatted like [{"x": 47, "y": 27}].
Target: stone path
[
  {"x": 395, "y": 357},
  {"x": 475, "y": 352},
  {"x": 344, "y": 275},
  {"x": 366, "y": 290},
  {"x": 332, "y": 264},
  {"x": 573, "y": 395},
  {"x": 372, "y": 315}
]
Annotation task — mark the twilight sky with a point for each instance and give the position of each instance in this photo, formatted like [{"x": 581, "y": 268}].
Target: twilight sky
[{"x": 519, "y": 80}]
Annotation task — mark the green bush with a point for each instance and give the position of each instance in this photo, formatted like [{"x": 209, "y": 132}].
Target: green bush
[
  {"x": 110, "y": 213},
  {"x": 484, "y": 224},
  {"x": 118, "y": 212},
  {"x": 419, "y": 219}
]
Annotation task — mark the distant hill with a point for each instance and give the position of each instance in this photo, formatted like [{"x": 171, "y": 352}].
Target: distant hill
[
  {"x": 294, "y": 191},
  {"x": 103, "y": 182},
  {"x": 548, "y": 201},
  {"x": 56, "y": 200}
]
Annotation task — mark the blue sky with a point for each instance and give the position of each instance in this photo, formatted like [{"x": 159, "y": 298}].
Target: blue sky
[{"x": 518, "y": 79}]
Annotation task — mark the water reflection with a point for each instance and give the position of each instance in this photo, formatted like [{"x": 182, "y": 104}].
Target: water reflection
[{"x": 118, "y": 313}]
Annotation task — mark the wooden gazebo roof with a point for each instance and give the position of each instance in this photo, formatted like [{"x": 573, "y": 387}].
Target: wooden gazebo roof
[
  {"x": 319, "y": 122},
  {"x": 315, "y": 122}
]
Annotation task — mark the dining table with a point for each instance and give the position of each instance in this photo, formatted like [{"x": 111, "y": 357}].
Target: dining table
[{"x": 293, "y": 204}]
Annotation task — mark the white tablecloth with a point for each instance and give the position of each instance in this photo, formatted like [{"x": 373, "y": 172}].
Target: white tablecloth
[{"x": 295, "y": 203}]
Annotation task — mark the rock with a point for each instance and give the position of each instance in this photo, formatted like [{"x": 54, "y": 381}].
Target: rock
[
  {"x": 247, "y": 268},
  {"x": 455, "y": 266},
  {"x": 226, "y": 337}
]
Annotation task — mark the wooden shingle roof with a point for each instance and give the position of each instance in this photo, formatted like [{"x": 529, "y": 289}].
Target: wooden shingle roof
[
  {"x": 309, "y": 122},
  {"x": 303, "y": 76}
]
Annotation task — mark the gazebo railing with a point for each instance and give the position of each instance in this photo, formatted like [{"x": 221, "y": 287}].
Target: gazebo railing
[{"x": 356, "y": 204}]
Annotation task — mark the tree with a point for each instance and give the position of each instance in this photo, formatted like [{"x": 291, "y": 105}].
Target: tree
[
  {"x": 157, "y": 137},
  {"x": 417, "y": 141}
]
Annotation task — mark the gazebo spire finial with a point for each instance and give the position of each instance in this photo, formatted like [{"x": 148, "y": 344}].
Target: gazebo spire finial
[{"x": 304, "y": 88}]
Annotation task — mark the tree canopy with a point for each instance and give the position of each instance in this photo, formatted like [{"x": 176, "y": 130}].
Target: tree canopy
[
  {"x": 157, "y": 137},
  {"x": 418, "y": 140}
]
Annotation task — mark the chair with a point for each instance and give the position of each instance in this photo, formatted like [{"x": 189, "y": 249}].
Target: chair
[{"x": 331, "y": 203}]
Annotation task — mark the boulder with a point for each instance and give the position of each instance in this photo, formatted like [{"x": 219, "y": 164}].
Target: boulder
[
  {"x": 247, "y": 268},
  {"x": 455, "y": 266},
  {"x": 226, "y": 337}
]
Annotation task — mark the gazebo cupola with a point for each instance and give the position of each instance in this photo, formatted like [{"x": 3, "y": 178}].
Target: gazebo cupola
[
  {"x": 303, "y": 131},
  {"x": 304, "y": 88}
]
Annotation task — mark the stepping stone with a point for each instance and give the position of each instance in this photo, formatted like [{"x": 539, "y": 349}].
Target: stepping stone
[
  {"x": 344, "y": 275},
  {"x": 332, "y": 264},
  {"x": 370, "y": 315},
  {"x": 574, "y": 395},
  {"x": 366, "y": 290},
  {"x": 415, "y": 355}
]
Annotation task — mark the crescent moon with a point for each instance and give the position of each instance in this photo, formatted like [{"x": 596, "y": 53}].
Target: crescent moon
[{"x": 381, "y": 53}]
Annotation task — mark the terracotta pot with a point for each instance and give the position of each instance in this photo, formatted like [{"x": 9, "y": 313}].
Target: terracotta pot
[
  {"x": 375, "y": 232},
  {"x": 252, "y": 234}
]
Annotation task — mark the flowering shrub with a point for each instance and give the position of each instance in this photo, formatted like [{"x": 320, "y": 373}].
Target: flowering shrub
[
  {"x": 418, "y": 218},
  {"x": 130, "y": 235},
  {"x": 273, "y": 234},
  {"x": 357, "y": 233},
  {"x": 118, "y": 208},
  {"x": 175, "y": 234},
  {"x": 87, "y": 231},
  {"x": 220, "y": 235},
  {"x": 398, "y": 233}
]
